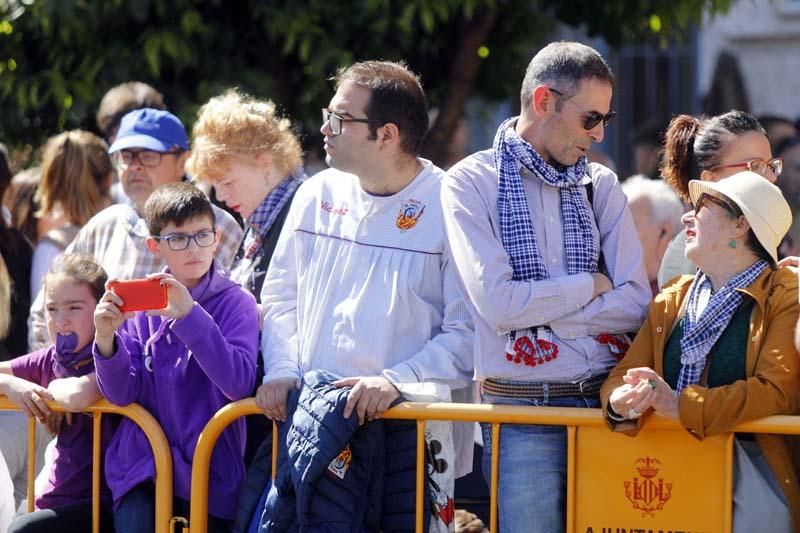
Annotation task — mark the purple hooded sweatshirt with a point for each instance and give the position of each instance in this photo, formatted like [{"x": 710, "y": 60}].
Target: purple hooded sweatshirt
[
  {"x": 70, "y": 478},
  {"x": 183, "y": 371}
]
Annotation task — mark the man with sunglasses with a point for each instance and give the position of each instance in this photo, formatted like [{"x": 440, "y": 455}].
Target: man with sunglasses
[
  {"x": 550, "y": 260},
  {"x": 150, "y": 150},
  {"x": 360, "y": 284}
]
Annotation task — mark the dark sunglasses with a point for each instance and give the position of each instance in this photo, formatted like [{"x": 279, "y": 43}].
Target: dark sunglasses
[
  {"x": 704, "y": 199},
  {"x": 591, "y": 118}
]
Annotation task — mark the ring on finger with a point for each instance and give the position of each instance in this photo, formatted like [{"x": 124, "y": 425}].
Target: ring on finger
[{"x": 653, "y": 384}]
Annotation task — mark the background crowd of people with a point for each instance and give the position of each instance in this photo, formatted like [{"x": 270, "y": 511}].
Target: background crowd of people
[{"x": 349, "y": 288}]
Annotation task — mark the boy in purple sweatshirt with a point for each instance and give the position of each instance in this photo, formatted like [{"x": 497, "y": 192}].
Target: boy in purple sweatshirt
[
  {"x": 182, "y": 363},
  {"x": 62, "y": 372}
]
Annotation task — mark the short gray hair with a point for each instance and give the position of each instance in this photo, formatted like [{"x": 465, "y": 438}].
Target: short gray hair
[
  {"x": 563, "y": 64},
  {"x": 665, "y": 205}
]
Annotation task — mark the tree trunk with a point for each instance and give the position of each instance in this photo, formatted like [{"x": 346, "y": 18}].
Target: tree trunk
[{"x": 461, "y": 80}]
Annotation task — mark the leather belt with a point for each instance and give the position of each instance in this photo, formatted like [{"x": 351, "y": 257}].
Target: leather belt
[{"x": 588, "y": 388}]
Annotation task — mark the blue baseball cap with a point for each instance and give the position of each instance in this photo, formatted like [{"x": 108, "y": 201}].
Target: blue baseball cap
[{"x": 151, "y": 129}]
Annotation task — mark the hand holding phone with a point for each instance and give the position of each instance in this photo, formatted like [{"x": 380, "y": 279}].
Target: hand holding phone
[
  {"x": 180, "y": 301},
  {"x": 140, "y": 294}
]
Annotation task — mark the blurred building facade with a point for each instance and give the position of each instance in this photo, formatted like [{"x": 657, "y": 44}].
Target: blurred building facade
[{"x": 764, "y": 38}]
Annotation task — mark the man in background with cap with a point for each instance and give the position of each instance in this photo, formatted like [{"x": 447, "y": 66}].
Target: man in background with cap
[{"x": 150, "y": 150}]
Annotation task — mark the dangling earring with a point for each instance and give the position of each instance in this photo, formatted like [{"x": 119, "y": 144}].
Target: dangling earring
[{"x": 732, "y": 243}]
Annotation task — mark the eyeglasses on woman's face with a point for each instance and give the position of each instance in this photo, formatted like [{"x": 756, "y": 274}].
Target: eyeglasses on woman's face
[
  {"x": 705, "y": 199},
  {"x": 759, "y": 166}
]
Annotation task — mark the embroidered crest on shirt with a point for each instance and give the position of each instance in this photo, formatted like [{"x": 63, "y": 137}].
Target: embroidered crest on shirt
[
  {"x": 341, "y": 463},
  {"x": 409, "y": 214}
]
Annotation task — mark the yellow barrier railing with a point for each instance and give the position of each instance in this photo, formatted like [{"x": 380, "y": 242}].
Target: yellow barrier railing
[
  {"x": 201, "y": 462},
  {"x": 573, "y": 418},
  {"x": 155, "y": 435}
]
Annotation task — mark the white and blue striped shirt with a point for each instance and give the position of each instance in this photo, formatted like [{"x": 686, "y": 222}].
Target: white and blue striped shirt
[{"x": 362, "y": 285}]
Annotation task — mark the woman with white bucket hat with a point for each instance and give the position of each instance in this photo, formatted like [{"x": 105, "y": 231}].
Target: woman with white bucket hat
[{"x": 717, "y": 348}]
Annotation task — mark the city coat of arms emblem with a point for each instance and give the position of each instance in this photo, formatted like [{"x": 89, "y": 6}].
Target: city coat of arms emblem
[{"x": 648, "y": 493}]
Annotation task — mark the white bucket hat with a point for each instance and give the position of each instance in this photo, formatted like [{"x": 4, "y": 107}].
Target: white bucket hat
[{"x": 761, "y": 202}]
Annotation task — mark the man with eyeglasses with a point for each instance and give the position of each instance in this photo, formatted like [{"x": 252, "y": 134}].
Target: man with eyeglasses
[
  {"x": 551, "y": 263},
  {"x": 360, "y": 284},
  {"x": 150, "y": 150}
]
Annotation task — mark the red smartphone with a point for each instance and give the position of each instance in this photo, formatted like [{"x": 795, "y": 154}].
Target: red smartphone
[{"x": 140, "y": 294}]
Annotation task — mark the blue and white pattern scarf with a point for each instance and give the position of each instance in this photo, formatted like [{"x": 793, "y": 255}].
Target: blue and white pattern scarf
[
  {"x": 264, "y": 216},
  {"x": 702, "y": 330},
  {"x": 516, "y": 227}
]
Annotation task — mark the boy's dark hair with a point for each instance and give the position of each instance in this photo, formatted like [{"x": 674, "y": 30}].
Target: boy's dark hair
[
  {"x": 176, "y": 203},
  {"x": 80, "y": 269},
  {"x": 396, "y": 97}
]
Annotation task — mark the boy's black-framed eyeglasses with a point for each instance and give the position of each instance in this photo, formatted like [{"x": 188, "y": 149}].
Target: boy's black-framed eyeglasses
[
  {"x": 335, "y": 121},
  {"x": 591, "y": 118},
  {"x": 180, "y": 241}
]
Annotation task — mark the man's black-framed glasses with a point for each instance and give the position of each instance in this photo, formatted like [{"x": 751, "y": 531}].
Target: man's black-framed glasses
[
  {"x": 591, "y": 118},
  {"x": 335, "y": 121},
  {"x": 180, "y": 241},
  {"x": 147, "y": 158}
]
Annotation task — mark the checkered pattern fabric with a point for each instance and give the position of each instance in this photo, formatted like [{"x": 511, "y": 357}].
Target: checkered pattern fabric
[
  {"x": 264, "y": 216},
  {"x": 702, "y": 330},
  {"x": 516, "y": 228},
  {"x": 266, "y": 213}
]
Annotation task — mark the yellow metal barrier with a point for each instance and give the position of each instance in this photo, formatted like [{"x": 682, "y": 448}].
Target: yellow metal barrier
[
  {"x": 155, "y": 435},
  {"x": 599, "y": 464},
  {"x": 201, "y": 462}
]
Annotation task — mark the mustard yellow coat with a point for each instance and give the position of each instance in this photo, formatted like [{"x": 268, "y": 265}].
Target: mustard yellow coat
[{"x": 772, "y": 386}]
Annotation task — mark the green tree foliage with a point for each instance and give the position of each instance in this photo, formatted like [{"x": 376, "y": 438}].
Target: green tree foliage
[{"x": 58, "y": 57}]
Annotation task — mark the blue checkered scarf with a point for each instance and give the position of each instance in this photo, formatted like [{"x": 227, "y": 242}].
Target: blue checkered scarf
[
  {"x": 701, "y": 331},
  {"x": 516, "y": 227},
  {"x": 264, "y": 216}
]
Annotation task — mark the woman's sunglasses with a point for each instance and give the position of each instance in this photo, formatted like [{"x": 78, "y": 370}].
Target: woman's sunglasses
[{"x": 704, "y": 199}]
